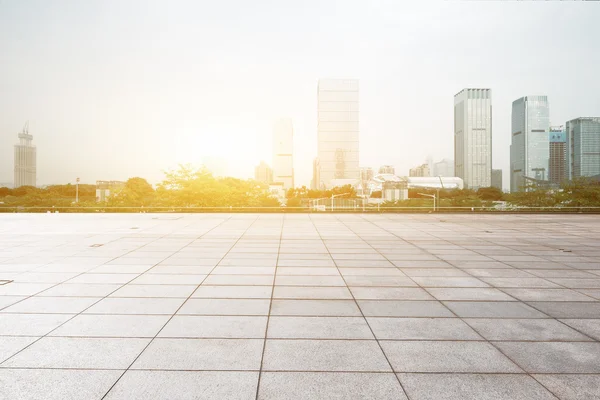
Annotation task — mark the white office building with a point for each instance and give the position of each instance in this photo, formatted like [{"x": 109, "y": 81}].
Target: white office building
[
  {"x": 530, "y": 145},
  {"x": 337, "y": 116},
  {"x": 283, "y": 149},
  {"x": 25, "y": 160},
  {"x": 473, "y": 137}
]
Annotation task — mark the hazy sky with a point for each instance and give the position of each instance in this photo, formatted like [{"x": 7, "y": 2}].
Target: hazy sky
[{"x": 117, "y": 88}]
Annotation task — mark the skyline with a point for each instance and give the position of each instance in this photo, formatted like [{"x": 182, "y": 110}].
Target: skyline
[{"x": 151, "y": 93}]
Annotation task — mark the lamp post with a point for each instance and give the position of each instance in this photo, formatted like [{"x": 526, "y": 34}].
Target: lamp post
[
  {"x": 337, "y": 195},
  {"x": 429, "y": 195},
  {"x": 77, "y": 190}
]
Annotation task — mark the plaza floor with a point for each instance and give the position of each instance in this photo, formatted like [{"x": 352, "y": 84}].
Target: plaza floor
[{"x": 299, "y": 306}]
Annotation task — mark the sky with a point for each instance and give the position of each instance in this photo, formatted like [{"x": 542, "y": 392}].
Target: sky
[{"x": 119, "y": 88}]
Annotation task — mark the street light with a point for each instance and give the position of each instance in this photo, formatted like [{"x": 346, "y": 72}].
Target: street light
[
  {"x": 429, "y": 195},
  {"x": 337, "y": 195},
  {"x": 77, "y": 190}
]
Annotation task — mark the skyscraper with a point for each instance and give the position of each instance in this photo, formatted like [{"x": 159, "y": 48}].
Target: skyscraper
[
  {"x": 263, "y": 173},
  {"x": 529, "y": 150},
  {"x": 337, "y": 116},
  {"x": 497, "y": 178},
  {"x": 583, "y": 147},
  {"x": 557, "y": 164},
  {"x": 25, "y": 159},
  {"x": 315, "y": 182},
  {"x": 473, "y": 137},
  {"x": 283, "y": 148}
]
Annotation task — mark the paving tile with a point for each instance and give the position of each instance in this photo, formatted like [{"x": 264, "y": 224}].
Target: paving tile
[
  {"x": 6, "y": 301},
  {"x": 520, "y": 282},
  {"x": 547, "y": 295},
  {"x": 400, "y": 308},
  {"x": 54, "y": 305},
  {"x": 572, "y": 387},
  {"x": 10, "y": 345},
  {"x": 493, "y": 309},
  {"x": 225, "y": 307},
  {"x": 449, "y": 282},
  {"x": 306, "y": 280},
  {"x": 387, "y": 293},
  {"x": 80, "y": 290},
  {"x": 589, "y": 327},
  {"x": 241, "y": 292},
  {"x": 318, "y": 328},
  {"x": 112, "y": 305},
  {"x": 189, "y": 326},
  {"x": 331, "y": 385},
  {"x": 565, "y": 309},
  {"x": 91, "y": 353},
  {"x": 473, "y": 387},
  {"x": 311, "y": 292},
  {"x": 23, "y": 289},
  {"x": 242, "y": 280},
  {"x": 168, "y": 279},
  {"x": 185, "y": 385},
  {"x": 439, "y": 272},
  {"x": 421, "y": 329},
  {"x": 103, "y": 278},
  {"x": 202, "y": 354},
  {"x": 324, "y": 355},
  {"x": 554, "y": 357},
  {"x": 55, "y": 384},
  {"x": 469, "y": 294},
  {"x": 302, "y": 307},
  {"x": 173, "y": 291},
  {"x": 524, "y": 329},
  {"x": 88, "y": 325},
  {"x": 371, "y": 280},
  {"x": 30, "y": 324},
  {"x": 449, "y": 356}
]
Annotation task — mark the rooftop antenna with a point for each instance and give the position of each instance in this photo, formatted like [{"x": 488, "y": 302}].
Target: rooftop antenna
[{"x": 26, "y": 128}]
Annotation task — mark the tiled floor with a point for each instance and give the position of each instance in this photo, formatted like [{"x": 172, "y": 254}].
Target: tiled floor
[{"x": 321, "y": 306}]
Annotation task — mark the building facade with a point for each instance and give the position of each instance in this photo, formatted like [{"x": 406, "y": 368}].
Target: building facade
[
  {"x": 283, "y": 150},
  {"x": 443, "y": 168},
  {"x": 497, "y": 178},
  {"x": 25, "y": 169},
  {"x": 338, "y": 132},
  {"x": 387, "y": 169},
  {"x": 473, "y": 137},
  {"x": 104, "y": 189},
  {"x": 583, "y": 147},
  {"x": 557, "y": 163},
  {"x": 421, "y": 170},
  {"x": 529, "y": 149},
  {"x": 263, "y": 173},
  {"x": 315, "y": 182}
]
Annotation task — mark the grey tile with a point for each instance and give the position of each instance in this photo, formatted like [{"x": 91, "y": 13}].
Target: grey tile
[
  {"x": 241, "y": 292},
  {"x": 387, "y": 293},
  {"x": 168, "y": 279},
  {"x": 201, "y": 354},
  {"x": 93, "y": 353},
  {"x": 305, "y": 280},
  {"x": 447, "y": 357},
  {"x": 10, "y": 345},
  {"x": 371, "y": 271},
  {"x": 189, "y": 326},
  {"x": 449, "y": 282},
  {"x": 174, "y": 291},
  {"x": 473, "y": 387},
  {"x": 54, "y": 305},
  {"x": 421, "y": 329},
  {"x": 332, "y": 385},
  {"x": 30, "y": 324},
  {"x": 370, "y": 280},
  {"x": 590, "y": 327},
  {"x": 311, "y": 292},
  {"x": 88, "y": 325},
  {"x": 412, "y": 272},
  {"x": 185, "y": 385},
  {"x": 318, "y": 328},
  {"x": 565, "y": 309},
  {"x": 469, "y": 294},
  {"x": 547, "y": 295},
  {"x": 115, "y": 305},
  {"x": 324, "y": 355},
  {"x": 103, "y": 278},
  {"x": 225, "y": 307},
  {"x": 81, "y": 290},
  {"x": 524, "y": 329},
  {"x": 520, "y": 283},
  {"x": 554, "y": 357},
  {"x": 265, "y": 280},
  {"x": 491, "y": 309},
  {"x": 55, "y": 384},
  {"x": 399, "y": 308},
  {"x": 572, "y": 387},
  {"x": 341, "y": 308}
]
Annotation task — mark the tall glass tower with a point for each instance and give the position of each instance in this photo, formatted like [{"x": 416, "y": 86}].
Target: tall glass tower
[
  {"x": 337, "y": 116},
  {"x": 25, "y": 159},
  {"x": 473, "y": 137},
  {"x": 530, "y": 146},
  {"x": 283, "y": 153},
  {"x": 583, "y": 147}
]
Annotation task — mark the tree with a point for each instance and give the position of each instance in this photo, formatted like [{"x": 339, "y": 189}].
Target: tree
[
  {"x": 294, "y": 202},
  {"x": 490, "y": 193}
]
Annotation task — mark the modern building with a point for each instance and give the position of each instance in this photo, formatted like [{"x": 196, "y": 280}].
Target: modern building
[
  {"x": 557, "y": 163},
  {"x": 497, "y": 178},
  {"x": 443, "y": 168},
  {"x": 421, "y": 170},
  {"x": 263, "y": 173},
  {"x": 529, "y": 149},
  {"x": 283, "y": 149},
  {"x": 387, "y": 169},
  {"x": 338, "y": 132},
  {"x": 104, "y": 189},
  {"x": 315, "y": 182},
  {"x": 366, "y": 174},
  {"x": 473, "y": 137},
  {"x": 583, "y": 147},
  {"x": 25, "y": 160}
]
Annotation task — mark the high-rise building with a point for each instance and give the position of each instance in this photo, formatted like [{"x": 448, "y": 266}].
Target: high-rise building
[
  {"x": 366, "y": 174},
  {"x": 263, "y": 173},
  {"x": 25, "y": 160},
  {"x": 444, "y": 168},
  {"x": 421, "y": 170},
  {"x": 473, "y": 137},
  {"x": 337, "y": 116},
  {"x": 557, "y": 164},
  {"x": 315, "y": 183},
  {"x": 387, "y": 169},
  {"x": 583, "y": 147},
  {"x": 497, "y": 178},
  {"x": 529, "y": 149},
  {"x": 283, "y": 149}
]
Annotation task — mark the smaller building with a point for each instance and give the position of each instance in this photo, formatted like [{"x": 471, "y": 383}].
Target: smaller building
[
  {"x": 366, "y": 174},
  {"x": 387, "y": 169},
  {"x": 263, "y": 173},
  {"x": 444, "y": 167},
  {"x": 421, "y": 170},
  {"x": 394, "y": 191},
  {"x": 104, "y": 189},
  {"x": 558, "y": 155},
  {"x": 497, "y": 178}
]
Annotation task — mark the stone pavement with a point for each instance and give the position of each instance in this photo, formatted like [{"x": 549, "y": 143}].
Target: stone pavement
[{"x": 299, "y": 306}]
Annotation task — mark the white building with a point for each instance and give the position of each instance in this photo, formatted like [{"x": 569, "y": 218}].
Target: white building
[
  {"x": 283, "y": 149},
  {"x": 337, "y": 116},
  {"x": 25, "y": 160},
  {"x": 473, "y": 137},
  {"x": 530, "y": 145},
  {"x": 443, "y": 168}
]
